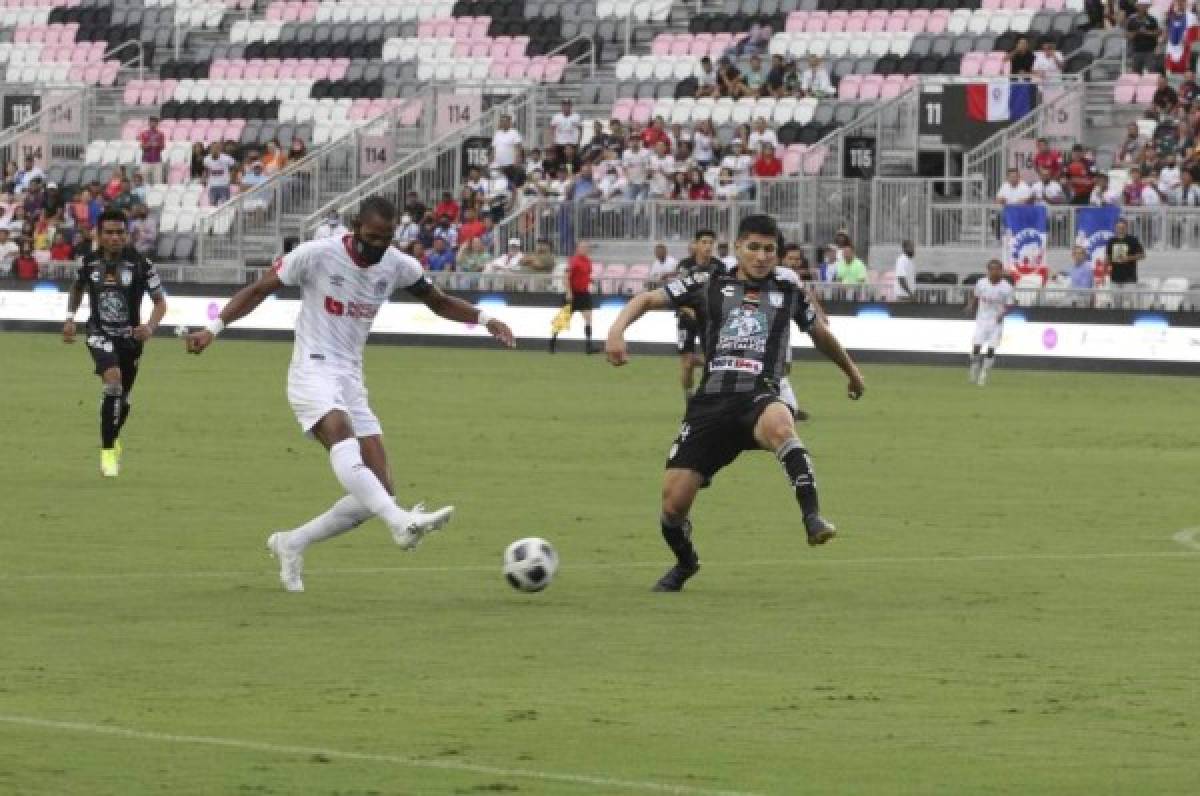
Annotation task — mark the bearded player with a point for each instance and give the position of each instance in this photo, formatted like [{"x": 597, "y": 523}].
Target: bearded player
[
  {"x": 748, "y": 315},
  {"x": 344, "y": 281}
]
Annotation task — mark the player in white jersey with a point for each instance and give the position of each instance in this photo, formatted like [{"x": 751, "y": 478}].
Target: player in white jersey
[
  {"x": 990, "y": 301},
  {"x": 344, "y": 282}
]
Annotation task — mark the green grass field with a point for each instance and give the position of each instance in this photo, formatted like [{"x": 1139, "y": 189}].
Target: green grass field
[{"x": 1005, "y": 612}]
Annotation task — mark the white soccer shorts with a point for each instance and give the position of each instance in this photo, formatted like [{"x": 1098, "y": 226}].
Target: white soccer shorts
[
  {"x": 314, "y": 391},
  {"x": 787, "y": 394},
  {"x": 987, "y": 335}
]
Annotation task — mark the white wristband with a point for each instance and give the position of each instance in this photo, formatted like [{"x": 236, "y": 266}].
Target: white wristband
[
  {"x": 216, "y": 327},
  {"x": 484, "y": 319}
]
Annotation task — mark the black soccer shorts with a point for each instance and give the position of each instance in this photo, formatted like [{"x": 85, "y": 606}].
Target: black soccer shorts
[
  {"x": 687, "y": 330},
  {"x": 716, "y": 429},
  {"x": 113, "y": 352},
  {"x": 581, "y": 302}
]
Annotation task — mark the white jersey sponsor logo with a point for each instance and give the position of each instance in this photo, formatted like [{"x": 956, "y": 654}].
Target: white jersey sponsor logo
[{"x": 340, "y": 297}]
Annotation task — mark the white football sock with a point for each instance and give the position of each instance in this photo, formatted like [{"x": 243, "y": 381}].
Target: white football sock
[
  {"x": 345, "y": 515},
  {"x": 987, "y": 364},
  {"x": 357, "y": 479}
]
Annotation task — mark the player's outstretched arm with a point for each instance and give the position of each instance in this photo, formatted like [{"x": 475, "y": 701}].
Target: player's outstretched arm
[
  {"x": 73, "y": 301},
  {"x": 453, "y": 308},
  {"x": 146, "y": 330},
  {"x": 244, "y": 302},
  {"x": 825, "y": 342},
  {"x": 642, "y": 303}
]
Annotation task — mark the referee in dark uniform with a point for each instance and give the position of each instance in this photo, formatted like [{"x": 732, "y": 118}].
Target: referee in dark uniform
[
  {"x": 687, "y": 323},
  {"x": 116, "y": 278}
]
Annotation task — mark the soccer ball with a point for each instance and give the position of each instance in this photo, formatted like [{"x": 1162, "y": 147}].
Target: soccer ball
[{"x": 530, "y": 564}]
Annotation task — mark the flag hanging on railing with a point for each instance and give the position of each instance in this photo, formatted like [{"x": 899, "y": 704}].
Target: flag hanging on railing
[
  {"x": 1025, "y": 233},
  {"x": 1182, "y": 31},
  {"x": 1094, "y": 229},
  {"x": 1000, "y": 100}
]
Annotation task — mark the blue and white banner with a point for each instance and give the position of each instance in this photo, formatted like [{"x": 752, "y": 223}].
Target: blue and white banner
[
  {"x": 1025, "y": 232},
  {"x": 1094, "y": 229}
]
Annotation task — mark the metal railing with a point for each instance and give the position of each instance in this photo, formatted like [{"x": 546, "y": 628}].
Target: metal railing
[
  {"x": 252, "y": 224},
  {"x": 436, "y": 168},
  {"x": 991, "y": 158},
  {"x": 894, "y": 126},
  {"x": 589, "y": 54},
  {"x": 931, "y": 220},
  {"x": 902, "y": 208}
]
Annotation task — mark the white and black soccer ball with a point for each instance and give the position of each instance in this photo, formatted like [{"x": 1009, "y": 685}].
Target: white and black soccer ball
[{"x": 530, "y": 564}]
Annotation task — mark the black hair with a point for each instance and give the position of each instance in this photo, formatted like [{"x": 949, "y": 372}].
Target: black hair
[
  {"x": 705, "y": 233},
  {"x": 760, "y": 224},
  {"x": 289, "y": 243},
  {"x": 788, "y": 248},
  {"x": 111, "y": 214},
  {"x": 378, "y": 206}
]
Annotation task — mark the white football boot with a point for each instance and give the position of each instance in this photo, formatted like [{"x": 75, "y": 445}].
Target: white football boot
[
  {"x": 291, "y": 563},
  {"x": 417, "y": 523}
]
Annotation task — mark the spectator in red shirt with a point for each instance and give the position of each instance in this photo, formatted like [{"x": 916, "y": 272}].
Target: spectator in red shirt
[
  {"x": 698, "y": 189},
  {"x": 767, "y": 165},
  {"x": 471, "y": 227},
  {"x": 1080, "y": 174},
  {"x": 25, "y": 266},
  {"x": 60, "y": 251},
  {"x": 1047, "y": 158},
  {"x": 579, "y": 294},
  {"x": 656, "y": 133},
  {"x": 113, "y": 187},
  {"x": 153, "y": 142},
  {"x": 447, "y": 207}
]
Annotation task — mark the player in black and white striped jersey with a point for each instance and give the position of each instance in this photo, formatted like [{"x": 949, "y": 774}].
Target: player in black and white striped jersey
[{"x": 747, "y": 318}]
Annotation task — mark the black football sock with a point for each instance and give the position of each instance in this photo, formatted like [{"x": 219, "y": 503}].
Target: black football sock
[
  {"x": 126, "y": 408},
  {"x": 587, "y": 334},
  {"x": 678, "y": 537},
  {"x": 796, "y": 464},
  {"x": 553, "y": 342},
  {"x": 110, "y": 414}
]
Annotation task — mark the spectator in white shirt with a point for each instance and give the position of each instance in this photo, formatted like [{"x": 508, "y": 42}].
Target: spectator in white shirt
[
  {"x": 610, "y": 177},
  {"x": 1048, "y": 61},
  {"x": 704, "y": 140},
  {"x": 636, "y": 162},
  {"x": 662, "y": 170},
  {"x": 1102, "y": 194},
  {"x": 506, "y": 144},
  {"x": 814, "y": 80},
  {"x": 406, "y": 231},
  {"x": 1169, "y": 177},
  {"x": 739, "y": 161},
  {"x": 726, "y": 187},
  {"x": 1187, "y": 193},
  {"x": 761, "y": 135},
  {"x": 218, "y": 171},
  {"x": 566, "y": 126},
  {"x": 331, "y": 227},
  {"x": 1014, "y": 191},
  {"x": 906, "y": 271},
  {"x": 509, "y": 262},
  {"x": 8, "y": 252},
  {"x": 1150, "y": 195},
  {"x": 706, "y": 79},
  {"x": 664, "y": 264},
  {"x": 1047, "y": 189}
]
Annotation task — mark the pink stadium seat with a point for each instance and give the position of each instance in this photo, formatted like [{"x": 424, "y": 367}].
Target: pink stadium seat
[
  {"x": 132, "y": 90},
  {"x": 858, "y": 24},
  {"x": 897, "y": 22},
  {"x": 287, "y": 69},
  {"x": 178, "y": 174},
  {"x": 320, "y": 70},
  {"x": 814, "y": 159},
  {"x": 275, "y": 12},
  {"x": 938, "y": 21},
  {"x": 792, "y": 161},
  {"x": 1054, "y": 5},
  {"x": 871, "y": 87},
  {"x": 480, "y": 49},
  {"x": 425, "y": 29},
  {"x": 520, "y": 44},
  {"x": 891, "y": 89},
  {"x": 1032, "y": 5},
  {"x": 269, "y": 70},
  {"x": 816, "y": 23},
  {"x": 662, "y": 44},
  {"x": 304, "y": 69},
  {"x": 971, "y": 65},
  {"x": 991, "y": 5},
  {"x": 681, "y": 46},
  {"x": 253, "y": 71},
  {"x": 622, "y": 109},
  {"x": 849, "y": 87},
  {"x": 219, "y": 69},
  {"x": 556, "y": 66},
  {"x": 836, "y": 24},
  {"x": 635, "y": 279},
  {"x": 795, "y": 22},
  {"x": 481, "y": 25},
  {"x": 92, "y": 74},
  {"x": 443, "y": 28},
  {"x": 700, "y": 45},
  {"x": 643, "y": 110},
  {"x": 610, "y": 277},
  {"x": 536, "y": 70},
  {"x": 339, "y": 68},
  {"x": 464, "y": 29},
  {"x": 1145, "y": 93},
  {"x": 411, "y": 114},
  {"x": 993, "y": 66},
  {"x": 499, "y": 68},
  {"x": 917, "y": 21}
]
